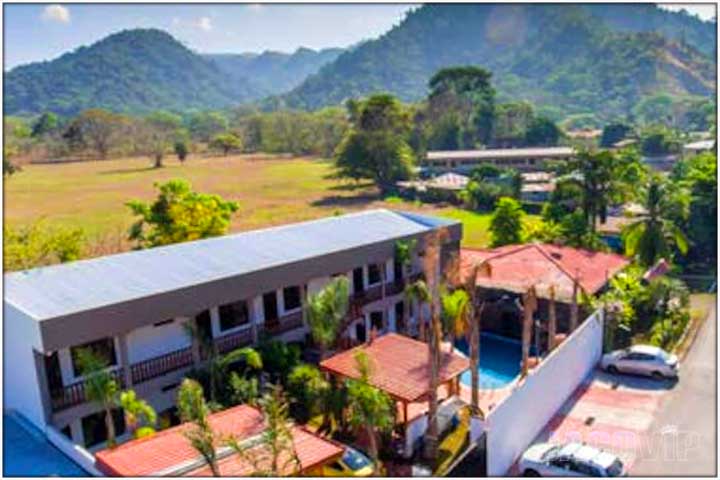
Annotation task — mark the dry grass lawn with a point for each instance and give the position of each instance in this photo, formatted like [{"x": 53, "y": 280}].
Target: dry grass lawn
[{"x": 271, "y": 190}]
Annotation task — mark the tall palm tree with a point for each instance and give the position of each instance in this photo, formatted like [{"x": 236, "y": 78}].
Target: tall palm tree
[
  {"x": 137, "y": 412},
  {"x": 403, "y": 255},
  {"x": 653, "y": 236},
  {"x": 100, "y": 388},
  {"x": 472, "y": 333},
  {"x": 529, "y": 307},
  {"x": 193, "y": 409},
  {"x": 369, "y": 407},
  {"x": 552, "y": 320},
  {"x": 418, "y": 293},
  {"x": 326, "y": 312},
  {"x": 455, "y": 311}
]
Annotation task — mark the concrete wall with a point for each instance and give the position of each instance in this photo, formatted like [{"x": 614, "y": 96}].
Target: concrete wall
[
  {"x": 20, "y": 376},
  {"x": 77, "y": 453},
  {"x": 153, "y": 341},
  {"x": 517, "y": 420}
]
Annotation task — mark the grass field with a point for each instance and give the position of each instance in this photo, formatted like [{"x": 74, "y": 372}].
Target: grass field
[{"x": 270, "y": 191}]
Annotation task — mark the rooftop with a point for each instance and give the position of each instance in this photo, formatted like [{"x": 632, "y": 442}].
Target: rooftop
[
  {"x": 58, "y": 290},
  {"x": 169, "y": 452},
  {"x": 502, "y": 153},
  {"x": 398, "y": 366},
  {"x": 700, "y": 145},
  {"x": 516, "y": 268}
]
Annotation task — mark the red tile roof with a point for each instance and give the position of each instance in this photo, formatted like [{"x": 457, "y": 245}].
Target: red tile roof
[
  {"x": 169, "y": 450},
  {"x": 399, "y": 365},
  {"x": 516, "y": 267}
]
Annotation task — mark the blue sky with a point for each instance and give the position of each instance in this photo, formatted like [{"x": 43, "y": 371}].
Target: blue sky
[{"x": 35, "y": 32}]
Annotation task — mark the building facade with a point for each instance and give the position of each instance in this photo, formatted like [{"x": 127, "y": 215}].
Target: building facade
[
  {"x": 523, "y": 159},
  {"x": 134, "y": 308}
]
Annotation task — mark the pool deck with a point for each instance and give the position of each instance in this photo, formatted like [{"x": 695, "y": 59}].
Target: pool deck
[{"x": 27, "y": 452}]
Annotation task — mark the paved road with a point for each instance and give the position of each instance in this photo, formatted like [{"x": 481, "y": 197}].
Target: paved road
[{"x": 683, "y": 441}]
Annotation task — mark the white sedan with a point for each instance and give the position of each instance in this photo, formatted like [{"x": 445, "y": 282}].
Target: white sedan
[
  {"x": 642, "y": 360},
  {"x": 571, "y": 460}
]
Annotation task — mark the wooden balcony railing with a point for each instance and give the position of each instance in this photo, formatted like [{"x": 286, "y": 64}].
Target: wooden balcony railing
[
  {"x": 285, "y": 324},
  {"x": 232, "y": 341},
  {"x": 74, "y": 394},
  {"x": 159, "y": 366}
]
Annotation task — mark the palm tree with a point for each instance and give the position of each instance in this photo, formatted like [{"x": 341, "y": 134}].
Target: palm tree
[
  {"x": 417, "y": 292},
  {"x": 552, "y": 320},
  {"x": 309, "y": 388},
  {"x": 369, "y": 407},
  {"x": 529, "y": 307},
  {"x": 276, "y": 440},
  {"x": 455, "y": 311},
  {"x": 137, "y": 412},
  {"x": 100, "y": 387},
  {"x": 193, "y": 409},
  {"x": 403, "y": 255},
  {"x": 472, "y": 333},
  {"x": 326, "y": 312},
  {"x": 653, "y": 236}
]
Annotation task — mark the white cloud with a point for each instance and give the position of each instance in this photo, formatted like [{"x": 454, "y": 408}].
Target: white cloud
[
  {"x": 56, "y": 13},
  {"x": 204, "y": 23}
]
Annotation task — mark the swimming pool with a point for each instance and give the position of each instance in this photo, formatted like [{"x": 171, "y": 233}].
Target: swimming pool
[
  {"x": 28, "y": 454},
  {"x": 499, "y": 361}
]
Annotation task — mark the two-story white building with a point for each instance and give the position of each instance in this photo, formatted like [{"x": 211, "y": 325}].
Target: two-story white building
[{"x": 131, "y": 308}]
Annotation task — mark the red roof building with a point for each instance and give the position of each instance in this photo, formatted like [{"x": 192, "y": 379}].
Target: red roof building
[
  {"x": 515, "y": 268},
  {"x": 169, "y": 453}
]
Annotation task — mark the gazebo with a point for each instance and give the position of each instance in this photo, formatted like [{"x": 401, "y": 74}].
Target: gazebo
[{"x": 400, "y": 368}]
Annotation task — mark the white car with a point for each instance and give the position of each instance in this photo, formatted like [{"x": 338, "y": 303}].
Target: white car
[
  {"x": 642, "y": 360},
  {"x": 571, "y": 460}
]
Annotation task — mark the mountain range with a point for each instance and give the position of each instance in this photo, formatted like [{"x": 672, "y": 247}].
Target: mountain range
[{"x": 599, "y": 58}]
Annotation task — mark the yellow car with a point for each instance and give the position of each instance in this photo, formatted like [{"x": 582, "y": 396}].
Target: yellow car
[{"x": 351, "y": 464}]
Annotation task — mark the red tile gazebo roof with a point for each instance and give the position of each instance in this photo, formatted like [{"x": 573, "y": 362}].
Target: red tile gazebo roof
[
  {"x": 399, "y": 366},
  {"x": 517, "y": 267},
  {"x": 169, "y": 452}
]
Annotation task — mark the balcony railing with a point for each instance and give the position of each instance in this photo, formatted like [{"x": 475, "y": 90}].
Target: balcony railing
[
  {"x": 159, "y": 366},
  {"x": 393, "y": 288},
  {"x": 74, "y": 394},
  {"x": 285, "y": 324},
  {"x": 232, "y": 341}
]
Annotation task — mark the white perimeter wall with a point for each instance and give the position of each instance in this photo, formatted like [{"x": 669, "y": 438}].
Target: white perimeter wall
[
  {"x": 514, "y": 423},
  {"x": 20, "y": 378}
]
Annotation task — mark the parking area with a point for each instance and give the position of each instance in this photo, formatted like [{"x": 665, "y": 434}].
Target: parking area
[{"x": 612, "y": 412}]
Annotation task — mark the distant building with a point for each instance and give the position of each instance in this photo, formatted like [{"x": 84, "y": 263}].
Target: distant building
[
  {"x": 695, "y": 148},
  {"x": 537, "y": 186},
  {"x": 524, "y": 159},
  {"x": 661, "y": 163}
]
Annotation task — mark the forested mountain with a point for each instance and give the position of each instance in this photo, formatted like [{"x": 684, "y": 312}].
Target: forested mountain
[
  {"x": 274, "y": 72},
  {"x": 130, "y": 71},
  {"x": 569, "y": 59}
]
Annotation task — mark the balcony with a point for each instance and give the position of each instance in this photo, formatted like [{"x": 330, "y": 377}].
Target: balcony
[
  {"x": 232, "y": 341},
  {"x": 284, "y": 324},
  {"x": 162, "y": 365},
  {"x": 74, "y": 394},
  {"x": 394, "y": 288}
]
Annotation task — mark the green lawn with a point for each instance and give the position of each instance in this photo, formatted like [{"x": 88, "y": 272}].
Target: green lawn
[{"x": 270, "y": 191}]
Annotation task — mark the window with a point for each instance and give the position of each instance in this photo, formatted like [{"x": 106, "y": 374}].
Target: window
[
  {"x": 376, "y": 320},
  {"x": 103, "y": 349},
  {"x": 233, "y": 315},
  {"x": 373, "y": 274},
  {"x": 66, "y": 431},
  {"x": 94, "y": 430},
  {"x": 291, "y": 298},
  {"x": 400, "y": 316}
]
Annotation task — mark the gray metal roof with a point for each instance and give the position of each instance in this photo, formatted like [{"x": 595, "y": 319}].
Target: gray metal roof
[
  {"x": 501, "y": 153},
  {"x": 58, "y": 290}
]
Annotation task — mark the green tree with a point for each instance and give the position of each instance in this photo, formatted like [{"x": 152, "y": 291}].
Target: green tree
[
  {"x": 38, "y": 244},
  {"x": 326, "y": 312},
  {"x": 100, "y": 388},
  {"x": 653, "y": 236},
  {"x": 97, "y": 129},
  {"x": 140, "y": 417},
  {"x": 702, "y": 227},
  {"x": 659, "y": 140},
  {"x": 205, "y": 125},
  {"x": 276, "y": 440},
  {"x": 226, "y": 142},
  {"x": 507, "y": 222},
  {"x": 542, "y": 132},
  {"x": 47, "y": 123},
  {"x": 193, "y": 409},
  {"x": 182, "y": 149},
  {"x": 309, "y": 390},
  {"x": 376, "y": 147},
  {"x": 455, "y": 308},
  {"x": 161, "y": 128},
  {"x": 369, "y": 407},
  {"x": 418, "y": 292},
  {"x": 178, "y": 215},
  {"x": 613, "y": 133}
]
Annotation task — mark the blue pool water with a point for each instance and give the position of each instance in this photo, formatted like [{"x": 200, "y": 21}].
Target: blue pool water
[
  {"x": 28, "y": 454},
  {"x": 499, "y": 361}
]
